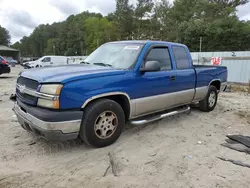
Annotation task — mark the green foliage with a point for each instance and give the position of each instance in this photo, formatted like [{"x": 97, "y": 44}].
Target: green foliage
[
  {"x": 51, "y": 46},
  {"x": 124, "y": 19},
  {"x": 142, "y": 19},
  {"x": 4, "y": 36},
  {"x": 217, "y": 24},
  {"x": 183, "y": 21},
  {"x": 98, "y": 31}
]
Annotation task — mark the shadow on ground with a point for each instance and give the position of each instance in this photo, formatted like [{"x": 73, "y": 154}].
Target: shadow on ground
[{"x": 6, "y": 77}]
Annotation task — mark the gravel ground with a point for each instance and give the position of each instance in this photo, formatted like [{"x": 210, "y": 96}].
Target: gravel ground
[{"x": 178, "y": 152}]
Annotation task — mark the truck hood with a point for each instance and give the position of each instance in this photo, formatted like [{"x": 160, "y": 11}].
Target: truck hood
[{"x": 68, "y": 73}]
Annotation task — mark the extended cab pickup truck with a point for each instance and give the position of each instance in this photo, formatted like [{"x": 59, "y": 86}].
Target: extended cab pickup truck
[{"x": 122, "y": 82}]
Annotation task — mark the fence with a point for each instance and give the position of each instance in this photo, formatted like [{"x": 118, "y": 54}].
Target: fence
[{"x": 237, "y": 63}]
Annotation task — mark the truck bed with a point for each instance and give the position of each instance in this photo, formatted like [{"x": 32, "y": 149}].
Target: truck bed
[{"x": 206, "y": 73}]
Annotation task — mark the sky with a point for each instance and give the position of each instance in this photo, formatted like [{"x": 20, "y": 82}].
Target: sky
[{"x": 20, "y": 17}]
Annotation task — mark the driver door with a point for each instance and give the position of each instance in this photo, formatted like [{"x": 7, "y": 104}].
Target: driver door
[{"x": 156, "y": 88}]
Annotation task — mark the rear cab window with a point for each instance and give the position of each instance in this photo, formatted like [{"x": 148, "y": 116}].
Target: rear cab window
[{"x": 181, "y": 57}]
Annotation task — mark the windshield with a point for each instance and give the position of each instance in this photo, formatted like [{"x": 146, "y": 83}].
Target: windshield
[
  {"x": 116, "y": 55},
  {"x": 39, "y": 59}
]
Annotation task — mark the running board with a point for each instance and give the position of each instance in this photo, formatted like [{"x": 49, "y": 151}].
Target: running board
[{"x": 151, "y": 118}]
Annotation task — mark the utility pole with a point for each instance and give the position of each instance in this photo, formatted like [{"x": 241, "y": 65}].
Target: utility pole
[
  {"x": 54, "y": 49},
  {"x": 97, "y": 43},
  {"x": 81, "y": 45},
  {"x": 200, "y": 43}
]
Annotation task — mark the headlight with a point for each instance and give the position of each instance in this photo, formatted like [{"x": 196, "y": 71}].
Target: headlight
[
  {"x": 53, "y": 89},
  {"x": 48, "y": 103},
  {"x": 50, "y": 89}
]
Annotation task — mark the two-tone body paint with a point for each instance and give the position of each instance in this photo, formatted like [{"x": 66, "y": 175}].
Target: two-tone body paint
[{"x": 147, "y": 92}]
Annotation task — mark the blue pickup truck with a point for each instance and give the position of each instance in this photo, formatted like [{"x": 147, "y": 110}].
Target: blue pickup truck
[{"x": 133, "y": 82}]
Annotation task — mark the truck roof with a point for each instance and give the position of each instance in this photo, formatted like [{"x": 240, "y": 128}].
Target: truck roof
[{"x": 148, "y": 41}]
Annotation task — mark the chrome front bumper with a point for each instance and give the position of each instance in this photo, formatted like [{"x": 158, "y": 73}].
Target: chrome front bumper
[{"x": 63, "y": 130}]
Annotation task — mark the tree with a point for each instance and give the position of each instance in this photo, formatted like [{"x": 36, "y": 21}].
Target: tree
[
  {"x": 183, "y": 21},
  {"x": 17, "y": 45},
  {"x": 184, "y": 10},
  {"x": 4, "y": 36},
  {"x": 142, "y": 17},
  {"x": 229, "y": 3},
  {"x": 124, "y": 19},
  {"x": 111, "y": 17},
  {"x": 26, "y": 47},
  {"x": 97, "y": 32},
  {"x": 163, "y": 27},
  {"x": 51, "y": 47}
]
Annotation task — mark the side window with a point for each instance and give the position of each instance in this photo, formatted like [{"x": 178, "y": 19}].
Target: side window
[
  {"x": 160, "y": 54},
  {"x": 46, "y": 59},
  {"x": 181, "y": 57}
]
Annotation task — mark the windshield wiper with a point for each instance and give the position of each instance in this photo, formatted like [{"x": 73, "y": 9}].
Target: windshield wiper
[
  {"x": 85, "y": 62},
  {"x": 103, "y": 64}
]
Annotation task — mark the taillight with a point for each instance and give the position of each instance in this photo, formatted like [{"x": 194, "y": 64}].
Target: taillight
[{"x": 4, "y": 62}]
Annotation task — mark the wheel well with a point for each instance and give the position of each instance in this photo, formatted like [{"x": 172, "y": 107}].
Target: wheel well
[
  {"x": 216, "y": 83},
  {"x": 122, "y": 100}
]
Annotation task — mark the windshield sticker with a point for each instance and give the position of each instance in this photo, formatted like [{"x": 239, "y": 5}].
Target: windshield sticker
[{"x": 132, "y": 47}]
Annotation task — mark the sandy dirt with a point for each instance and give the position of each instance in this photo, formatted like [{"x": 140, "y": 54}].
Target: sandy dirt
[{"x": 176, "y": 152}]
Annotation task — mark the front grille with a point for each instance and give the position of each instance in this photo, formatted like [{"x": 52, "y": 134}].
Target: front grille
[
  {"x": 25, "y": 96},
  {"x": 32, "y": 84}
]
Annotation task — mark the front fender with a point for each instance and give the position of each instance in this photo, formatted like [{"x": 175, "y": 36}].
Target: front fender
[{"x": 77, "y": 94}]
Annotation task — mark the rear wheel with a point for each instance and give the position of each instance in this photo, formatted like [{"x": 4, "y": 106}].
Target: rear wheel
[
  {"x": 209, "y": 103},
  {"x": 102, "y": 123}
]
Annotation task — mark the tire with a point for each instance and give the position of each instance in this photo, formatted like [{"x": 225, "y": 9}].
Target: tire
[
  {"x": 99, "y": 117},
  {"x": 207, "y": 105}
]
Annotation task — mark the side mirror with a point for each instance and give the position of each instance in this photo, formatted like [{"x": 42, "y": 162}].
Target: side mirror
[{"x": 151, "y": 66}]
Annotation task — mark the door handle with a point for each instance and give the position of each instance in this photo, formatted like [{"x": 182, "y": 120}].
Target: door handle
[
  {"x": 172, "y": 78},
  {"x": 51, "y": 62}
]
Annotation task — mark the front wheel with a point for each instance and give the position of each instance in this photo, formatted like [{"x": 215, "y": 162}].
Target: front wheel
[
  {"x": 209, "y": 103},
  {"x": 102, "y": 123}
]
